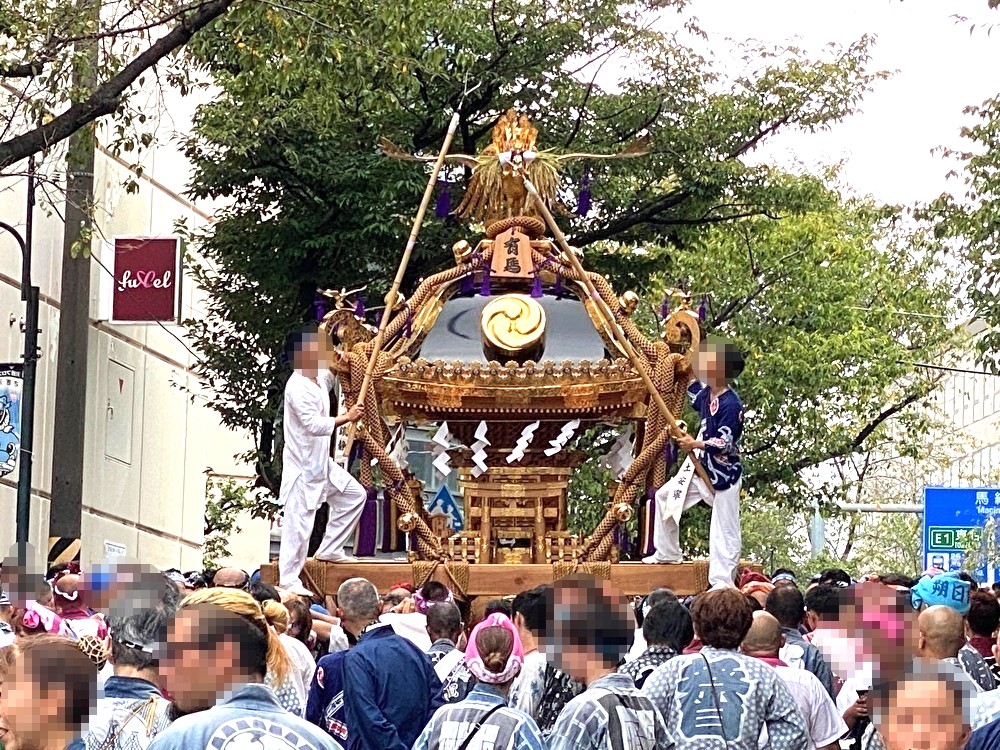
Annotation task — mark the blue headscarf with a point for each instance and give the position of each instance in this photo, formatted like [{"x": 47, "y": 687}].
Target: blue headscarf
[{"x": 945, "y": 588}]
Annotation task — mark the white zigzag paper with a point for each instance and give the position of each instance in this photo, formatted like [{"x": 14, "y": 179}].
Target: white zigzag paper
[
  {"x": 442, "y": 442},
  {"x": 527, "y": 435},
  {"x": 564, "y": 436},
  {"x": 479, "y": 452}
]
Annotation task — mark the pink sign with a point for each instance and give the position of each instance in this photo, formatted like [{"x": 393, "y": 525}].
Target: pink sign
[{"x": 147, "y": 280}]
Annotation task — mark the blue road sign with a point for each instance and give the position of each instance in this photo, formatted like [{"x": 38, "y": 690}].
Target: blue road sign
[
  {"x": 950, "y": 514},
  {"x": 444, "y": 502}
]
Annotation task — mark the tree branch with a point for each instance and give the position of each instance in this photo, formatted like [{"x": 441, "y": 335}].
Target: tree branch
[
  {"x": 846, "y": 448},
  {"x": 105, "y": 99},
  {"x": 627, "y": 221},
  {"x": 22, "y": 70}
]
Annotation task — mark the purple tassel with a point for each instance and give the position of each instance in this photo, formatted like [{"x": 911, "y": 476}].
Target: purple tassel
[
  {"x": 442, "y": 208},
  {"x": 408, "y": 328},
  {"x": 484, "y": 288},
  {"x": 536, "y": 287},
  {"x": 364, "y": 541},
  {"x": 468, "y": 285},
  {"x": 583, "y": 206},
  {"x": 703, "y": 309},
  {"x": 558, "y": 288},
  {"x": 359, "y": 308},
  {"x": 670, "y": 453},
  {"x": 665, "y": 308},
  {"x": 320, "y": 307}
]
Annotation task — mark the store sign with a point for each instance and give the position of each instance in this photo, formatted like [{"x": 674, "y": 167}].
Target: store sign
[
  {"x": 113, "y": 549},
  {"x": 146, "y": 280}
]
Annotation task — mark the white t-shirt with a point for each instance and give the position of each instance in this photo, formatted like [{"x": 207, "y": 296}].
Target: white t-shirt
[
  {"x": 824, "y": 722},
  {"x": 302, "y": 659}
]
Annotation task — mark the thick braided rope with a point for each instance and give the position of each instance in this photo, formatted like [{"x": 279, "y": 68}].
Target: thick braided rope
[
  {"x": 673, "y": 392},
  {"x": 532, "y": 227},
  {"x": 599, "y": 543},
  {"x": 428, "y": 545}
]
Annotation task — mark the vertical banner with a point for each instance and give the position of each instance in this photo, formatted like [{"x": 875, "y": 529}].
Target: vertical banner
[{"x": 11, "y": 384}]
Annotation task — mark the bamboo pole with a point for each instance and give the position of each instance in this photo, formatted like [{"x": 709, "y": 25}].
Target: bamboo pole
[
  {"x": 400, "y": 272},
  {"x": 612, "y": 324}
]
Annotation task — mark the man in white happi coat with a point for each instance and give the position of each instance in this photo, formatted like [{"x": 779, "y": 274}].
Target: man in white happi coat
[{"x": 309, "y": 475}]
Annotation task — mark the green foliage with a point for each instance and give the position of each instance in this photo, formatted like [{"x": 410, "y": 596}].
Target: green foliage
[
  {"x": 225, "y": 500},
  {"x": 970, "y": 223},
  {"x": 810, "y": 283}
]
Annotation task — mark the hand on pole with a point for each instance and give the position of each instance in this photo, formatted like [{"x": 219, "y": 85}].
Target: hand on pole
[
  {"x": 688, "y": 444},
  {"x": 356, "y": 413}
]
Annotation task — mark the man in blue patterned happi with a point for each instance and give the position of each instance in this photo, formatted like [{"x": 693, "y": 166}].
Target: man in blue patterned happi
[
  {"x": 720, "y": 699},
  {"x": 717, "y": 446},
  {"x": 592, "y": 631}
]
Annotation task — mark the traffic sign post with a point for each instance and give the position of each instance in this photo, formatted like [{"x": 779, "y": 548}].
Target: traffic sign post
[{"x": 954, "y": 518}]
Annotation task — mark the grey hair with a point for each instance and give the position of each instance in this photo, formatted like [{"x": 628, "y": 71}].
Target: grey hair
[
  {"x": 135, "y": 633},
  {"x": 443, "y": 619},
  {"x": 958, "y": 684},
  {"x": 358, "y": 599}
]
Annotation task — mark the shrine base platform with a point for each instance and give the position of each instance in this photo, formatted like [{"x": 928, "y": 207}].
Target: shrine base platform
[{"x": 492, "y": 581}]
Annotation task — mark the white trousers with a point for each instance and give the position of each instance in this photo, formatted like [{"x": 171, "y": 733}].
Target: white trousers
[
  {"x": 684, "y": 491},
  {"x": 346, "y": 507}
]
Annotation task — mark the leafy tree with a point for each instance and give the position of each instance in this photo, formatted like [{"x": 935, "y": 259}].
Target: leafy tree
[
  {"x": 810, "y": 283},
  {"x": 44, "y": 53}
]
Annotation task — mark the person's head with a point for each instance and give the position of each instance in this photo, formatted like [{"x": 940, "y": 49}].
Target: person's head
[
  {"x": 67, "y": 592},
  {"x": 263, "y": 592},
  {"x": 394, "y": 598},
  {"x": 48, "y": 695},
  {"x": 276, "y": 615},
  {"x": 718, "y": 363},
  {"x": 301, "y": 624},
  {"x": 494, "y": 654},
  {"x": 722, "y": 618},
  {"x": 787, "y": 605},
  {"x": 948, "y": 589},
  {"x": 533, "y": 612},
  {"x": 784, "y": 577},
  {"x": 134, "y": 635},
  {"x": 444, "y": 620},
  {"x": 668, "y": 624},
  {"x": 231, "y": 578},
  {"x": 764, "y": 639},
  {"x": 358, "y": 604},
  {"x": 430, "y": 593},
  {"x": 823, "y": 605},
  {"x": 929, "y": 706},
  {"x": 757, "y": 593},
  {"x": 942, "y": 632},
  {"x": 498, "y": 606},
  {"x": 654, "y": 597},
  {"x": 219, "y": 638},
  {"x": 895, "y": 579},
  {"x": 307, "y": 349},
  {"x": 592, "y": 627},
  {"x": 984, "y": 614}
]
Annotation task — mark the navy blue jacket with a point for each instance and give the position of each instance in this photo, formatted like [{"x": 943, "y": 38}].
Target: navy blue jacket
[
  {"x": 325, "y": 707},
  {"x": 985, "y": 738},
  {"x": 390, "y": 691},
  {"x": 721, "y": 430}
]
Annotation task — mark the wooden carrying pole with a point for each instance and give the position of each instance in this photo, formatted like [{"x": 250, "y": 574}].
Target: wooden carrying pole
[
  {"x": 612, "y": 324},
  {"x": 418, "y": 222}
]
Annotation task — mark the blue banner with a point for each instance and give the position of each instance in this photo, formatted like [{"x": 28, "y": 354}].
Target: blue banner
[{"x": 11, "y": 383}]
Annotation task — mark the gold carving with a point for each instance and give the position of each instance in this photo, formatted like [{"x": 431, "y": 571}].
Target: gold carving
[
  {"x": 462, "y": 251},
  {"x": 513, "y": 326},
  {"x": 628, "y": 302}
]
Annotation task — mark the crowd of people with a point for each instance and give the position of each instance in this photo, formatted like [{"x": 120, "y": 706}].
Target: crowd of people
[{"x": 135, "y": 658}]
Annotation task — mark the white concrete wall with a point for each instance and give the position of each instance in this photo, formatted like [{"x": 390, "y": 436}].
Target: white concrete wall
[{"x": 148, "y": 444}]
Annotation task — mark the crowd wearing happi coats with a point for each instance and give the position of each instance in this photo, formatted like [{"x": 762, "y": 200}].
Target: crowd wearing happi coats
[{"x": 134, "y": 658}]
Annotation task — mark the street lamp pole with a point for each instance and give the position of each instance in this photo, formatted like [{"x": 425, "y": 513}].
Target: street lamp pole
[{"x": 29, "y": 294}]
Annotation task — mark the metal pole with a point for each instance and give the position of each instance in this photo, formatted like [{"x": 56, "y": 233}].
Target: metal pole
[{"x": 29, "y": 294}]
